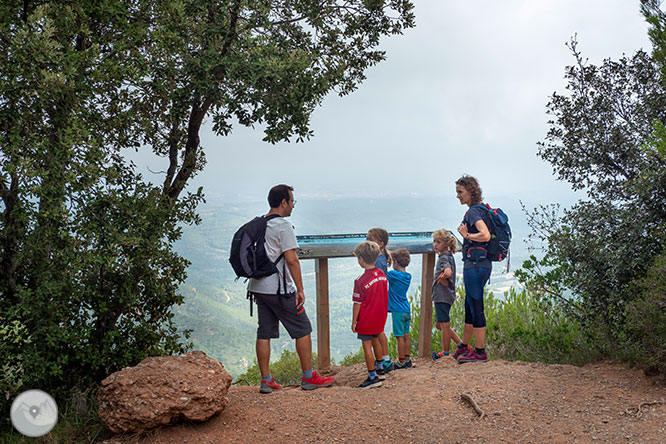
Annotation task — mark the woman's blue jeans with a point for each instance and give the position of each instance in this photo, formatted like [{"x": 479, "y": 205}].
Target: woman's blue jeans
[{"x": 475, "y": 279}]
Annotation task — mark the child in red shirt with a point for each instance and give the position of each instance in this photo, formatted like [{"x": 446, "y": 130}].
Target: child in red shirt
[{"x": 370, "y": 308}]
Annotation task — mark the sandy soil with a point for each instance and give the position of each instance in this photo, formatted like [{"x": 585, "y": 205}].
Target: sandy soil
[{"x": 521, "y": 402}]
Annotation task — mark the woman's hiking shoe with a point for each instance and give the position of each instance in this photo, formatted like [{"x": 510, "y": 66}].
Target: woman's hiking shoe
[
  {"x": 438, "y": 355},
  {"x": 268, "y": 387},
  {"x": 370, "y": 383},
  {"x": 461, "y": 351},
  {"x": 388, "y": 366},
  {"x": 316, "y": 382},
  {"x": 407, "y": 363},
  {"x": 473, "y": 356}
]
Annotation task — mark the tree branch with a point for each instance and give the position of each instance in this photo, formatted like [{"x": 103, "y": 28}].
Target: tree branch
[
  {"x": 174, "y": 186},
  {"x": 173, "y": 157},
  {"x": 467, "y": 398}
]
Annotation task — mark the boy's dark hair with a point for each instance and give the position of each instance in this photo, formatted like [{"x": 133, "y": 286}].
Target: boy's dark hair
[
  {"x": 401, "y": 257},
  {"x": 472, "y": 185},
  {"x": 277, "y": 193}
]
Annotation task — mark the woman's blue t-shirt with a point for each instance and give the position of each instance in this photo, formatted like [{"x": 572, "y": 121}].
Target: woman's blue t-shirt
[{"x": 472, "y": 216}]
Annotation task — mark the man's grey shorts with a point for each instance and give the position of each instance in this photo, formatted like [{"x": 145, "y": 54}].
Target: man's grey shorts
[{"x": 274, "y": 308}]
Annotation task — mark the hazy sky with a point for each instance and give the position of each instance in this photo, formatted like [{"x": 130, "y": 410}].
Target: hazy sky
[{"x": 465, "y": 91}]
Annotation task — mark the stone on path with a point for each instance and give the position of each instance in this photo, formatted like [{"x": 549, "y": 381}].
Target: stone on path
[{"x": 162, "y": 391}]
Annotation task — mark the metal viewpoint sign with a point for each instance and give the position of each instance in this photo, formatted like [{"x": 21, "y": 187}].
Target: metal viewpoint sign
[{"x": 34, "y": 413}]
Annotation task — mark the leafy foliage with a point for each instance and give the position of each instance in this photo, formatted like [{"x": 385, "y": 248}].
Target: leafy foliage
[
  {"x": 524, "y": 327},
  {"x": 85, "y": 246},
  {"x": 608, "y": 138},
  {"x": 597, "y": 142},
  {"x": 646, "y": 321},
  {"x": 520, "y": 326}
]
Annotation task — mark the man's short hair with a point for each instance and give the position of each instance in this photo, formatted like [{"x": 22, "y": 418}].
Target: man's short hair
[
  {"x": 368, "y": 251},
  {"x": 401, "y": 257},
  {"x": 277, "y": 193}
]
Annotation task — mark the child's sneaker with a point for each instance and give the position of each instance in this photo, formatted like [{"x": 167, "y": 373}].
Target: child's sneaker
[
  {"x": 407, "y": 363},
  {"x": 388, "y": 365},
  {"x": 268, "y": 387},
  {"x": 473, "y": 356},
  {"x": 380, "y": 373},
  {"x": 316, "y": 382},
  {"x": 437, "y": 355},
  {"x": 461, "y": 351},
  {"x": 370, "y": 383}
]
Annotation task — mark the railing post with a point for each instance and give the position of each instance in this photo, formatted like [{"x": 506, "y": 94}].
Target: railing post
[
  {"x": 425, "y": 324},
  {"x": 323, "y": 332}
]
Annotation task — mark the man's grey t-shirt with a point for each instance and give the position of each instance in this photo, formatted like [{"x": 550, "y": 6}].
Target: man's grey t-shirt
[
  {"x": 280, "y": 237},
  {"x": 440, "y": 293}
]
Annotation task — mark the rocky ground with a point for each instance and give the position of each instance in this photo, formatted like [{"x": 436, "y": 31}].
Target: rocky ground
[{"x": 520, "y": 402}]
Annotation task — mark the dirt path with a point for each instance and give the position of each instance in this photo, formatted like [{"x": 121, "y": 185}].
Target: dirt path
[{"x": 522, "y": 402}]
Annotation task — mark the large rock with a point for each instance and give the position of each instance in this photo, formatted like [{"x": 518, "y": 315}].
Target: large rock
[{"x": 163, "y": 390}]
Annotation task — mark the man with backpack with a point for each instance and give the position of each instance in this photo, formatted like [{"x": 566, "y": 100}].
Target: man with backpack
[{"x": 279, "y": 296}]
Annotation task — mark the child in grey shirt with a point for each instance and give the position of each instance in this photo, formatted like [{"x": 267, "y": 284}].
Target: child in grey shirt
[{"x": 444, "y": 288}]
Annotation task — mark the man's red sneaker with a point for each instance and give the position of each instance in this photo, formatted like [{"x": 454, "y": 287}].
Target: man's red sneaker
[
  {"x": 268, "y": 387},
  {"x": 316, "y": 382}
]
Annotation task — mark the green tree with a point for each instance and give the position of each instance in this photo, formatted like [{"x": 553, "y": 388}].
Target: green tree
[
  {"x": 598, "y": 142},
  {"x": 604, "y": 255},
  {"x": 88, "y": 271}
]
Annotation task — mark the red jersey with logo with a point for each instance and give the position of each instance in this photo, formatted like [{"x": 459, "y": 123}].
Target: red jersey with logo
[{"x": 371, "y": 291}]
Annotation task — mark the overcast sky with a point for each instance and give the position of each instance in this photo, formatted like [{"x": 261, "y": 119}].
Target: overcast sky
[{"x": 465, "y": 91}]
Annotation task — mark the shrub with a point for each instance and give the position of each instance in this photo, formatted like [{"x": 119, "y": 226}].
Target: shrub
[
  {"x": 359, "y": 357},
  {"x": 522, "y": 326},
  {"x": 645, "y": 327}
]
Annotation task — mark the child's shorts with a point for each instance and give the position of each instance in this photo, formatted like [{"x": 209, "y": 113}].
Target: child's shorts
[
  {"x": 400, "y": 323},
  {"x": 442, "y": 310},
  {"x": 367, "y": 337}
]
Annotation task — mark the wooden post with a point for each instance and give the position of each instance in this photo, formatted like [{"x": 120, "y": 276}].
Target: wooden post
[
  {"x": 323, "y": 330},
  {"x": 425, "y": 325}
]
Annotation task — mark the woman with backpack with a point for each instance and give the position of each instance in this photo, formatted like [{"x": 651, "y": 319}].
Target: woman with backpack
[{"x": 476, "y": 270}]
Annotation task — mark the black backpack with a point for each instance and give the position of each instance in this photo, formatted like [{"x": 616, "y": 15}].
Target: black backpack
[
  {"x": 497, "y": 248},
  {"x": 248, "y": 253}
]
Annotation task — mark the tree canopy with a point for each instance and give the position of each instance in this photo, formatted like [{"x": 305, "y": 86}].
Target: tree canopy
[{"x": 607, "y": 137}]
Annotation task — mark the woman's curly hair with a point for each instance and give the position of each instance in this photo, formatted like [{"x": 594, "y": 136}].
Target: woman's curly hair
[{"x": 472, "y": 185}]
